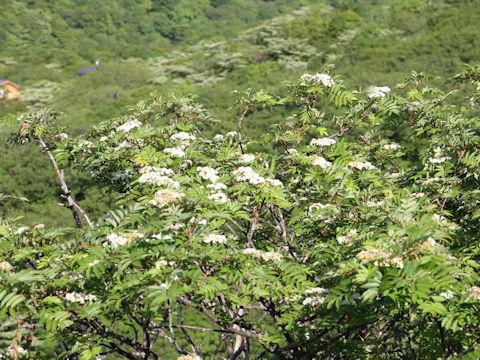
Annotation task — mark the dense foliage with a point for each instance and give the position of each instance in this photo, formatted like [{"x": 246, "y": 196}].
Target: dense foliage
[
  {"x": 370, "y": 42},
  {"x": 356, "y": 237}
]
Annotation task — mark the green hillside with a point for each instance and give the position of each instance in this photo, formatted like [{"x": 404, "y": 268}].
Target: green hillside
[{"x": 223, "y": 47}]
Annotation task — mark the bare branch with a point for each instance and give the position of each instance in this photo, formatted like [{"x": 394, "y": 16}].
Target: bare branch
[{"x": 71, "y": 204}]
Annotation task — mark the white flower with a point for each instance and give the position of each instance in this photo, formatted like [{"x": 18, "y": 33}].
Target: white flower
[
  {"x": 417, "y": 194},
  {"x": 375, "y": 204},
  {"x": 219, "y": 197},
  {"x": 208, "y": 173},
  {"x": 103, "y": 138},
  {"x": 155, "y": 178},
  {"x": 122, "y": 145},
  {"x": 231, "y": 133},
  {"x": 62, "y": 136},
  {"x": 85, "y": 143},
  {"x": 199, "y": 221},
  {"x": 79, "y": 297},
  {"x": 347, "y": 239},
  {"x": 274, "y": 182},
  {"x": 271, "y": 256},
  {"x": 292, "y": 151},
  {"x": 218, "y": 137},
  {"x": 439, "y": 218},
  {"x": 216, "y": 186},
  {"x": 128, "y": 126},
  {"x": 378, "y": 92},
  {"x": 39, "y": 227},
  {"x": 325, "y": 79},
  {"x": 95, "y": 262},
  {"x": 161, "y": 263},
  {"x": 161, "y": 171},
  {"x": 361, "y": 165},
  {"x": 122, "y": 239},
  {"x": 439, "y": 160},
  {"x": 475, "y": 291},
  {"x": 165, "y": 196},
  {"x": 247, "y": 158},
  {"x": 246, "y": 173},
  {"x": 215, "y": 239},
  {"x": 322, "y": 142},
  {"x": 182, "y": 136},
  {"x": 174, "y": 152},
  {"x": 318, "y": 206},
  {"x": 252, "y": 251},
  {"x": 21, "y": 230},
  {"x": 318, "y": 296},
  {"x": 431, "y": 180},
  {"x": 447, "y": 294},
  {"x": 391, "y": 146},
  {"x": 321, "y": 162}
]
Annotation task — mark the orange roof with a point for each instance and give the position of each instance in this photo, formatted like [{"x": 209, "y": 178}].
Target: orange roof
[{"x": 5, "y": 82}]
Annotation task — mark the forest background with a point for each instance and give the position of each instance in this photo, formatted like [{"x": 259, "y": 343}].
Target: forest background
[{"x": 202, "y": 47}]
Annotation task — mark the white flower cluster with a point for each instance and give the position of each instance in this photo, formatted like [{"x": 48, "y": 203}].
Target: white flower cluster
[
  {"x": 359, "y": 165},
  {"x": 449, "y": 294},
  {"x": 122, "y": 239},
  {"x": 231, "y": 134},
  {"x": 62, "y": 136},
  {"x": 292, "y": 151},
  {"x": 161, "y": 171},
  {"x": 94, "y": 262},
  {"x": 174, "y": 152},
  {"x": 322, "y": 142},
  {"x": 321, "y": 162},
  {"x": 208, "y": 173},
  {"x": 199, "y": 221},
  {"x": 163, "y": 263},
  {"x": 5, "y": 266},
  {"x": 79, "y": 298},
  {"x": 379, "y": 258},
  {"x": 439, "y": 160},
  {"x": 439, "y": 218},
  {"x": 85, "y": 143},
  {"x": 219, "y": 197},
  {"x": 378, "y": 92},
  {"x": 215, "y": 239},
  {"x": 318, "y": 206},
  {"x": 216, "y": 186},
  {"x": 391, "y": 146},
  {"x": 325, "y": 79},
  {"x": 417, "y": 194},
  {"x": 128, "y": 126},
  {"x": 247, "y": 158},
  {"x": 218, "y": 137},
  {"x": 246, "y": 173},
  {"x": 182, "y": 136},
  {"x": 475, "y": 291},
  {"x": 122, "y": 145},
  {"x": 274, "y": 182},
  {"x": 429, "y": 181},
  {"x": 266, "y": 256},
  {"x": 165, "y": 196},
  {"x": 155, "y": 178},
  {"x": 371, "y": 203},
  {"x": 21, "y": 230},
  {"x": 347, "y": 239},
  {"x": 318, "y": 296},
  {"x": 184, "y": 139}
]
